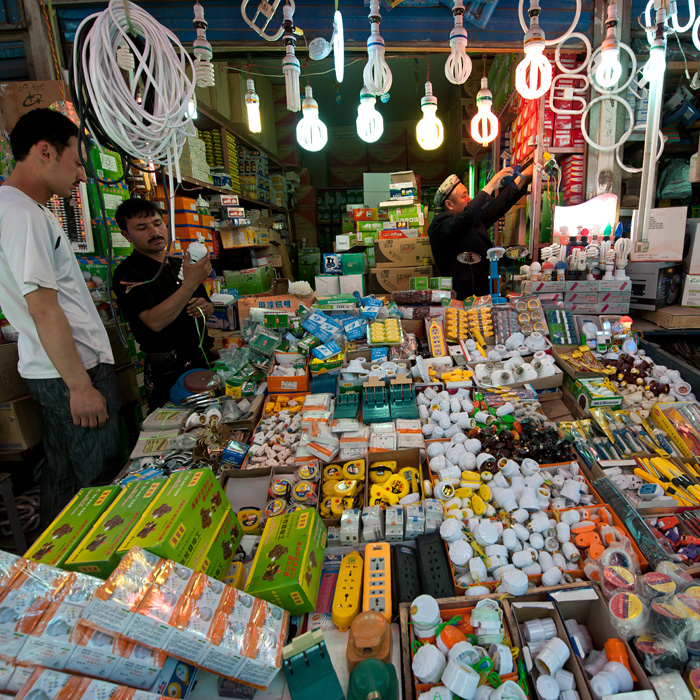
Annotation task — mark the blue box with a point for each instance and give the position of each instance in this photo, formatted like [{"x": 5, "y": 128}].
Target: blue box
[
  {"x": 332, "y": 264},
  {"x": 354, "y": 328},
  {"x": 323, "y": 352},
  {"x": 321, "y": 325}
]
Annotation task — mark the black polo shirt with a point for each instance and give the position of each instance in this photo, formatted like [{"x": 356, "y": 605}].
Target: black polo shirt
[{"x": 182, "y": 334}]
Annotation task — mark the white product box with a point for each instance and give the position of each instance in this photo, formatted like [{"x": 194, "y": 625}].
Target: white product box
[
  {"x": 51, "y": 643},
  {"x": 349, "y": 284},
  {"x": 544, "y": 287},
  {"x": 691, "y": 291},
  {"x": 342, "y": 243},
  {"x": 613, "y": 309},
  {"x": 582, "y": 286},
  {"x": 615, "y": 285},
  {"x": 584, "y": 308},
  {"x": 615, "y": 297},
  {"x": 666, "y": 235},
  {"x": 691, "y": 251},
  {"x": 583, "y": 298},
  {"x": 94, "y": 653},
  {"x": 327, "y": 285}
]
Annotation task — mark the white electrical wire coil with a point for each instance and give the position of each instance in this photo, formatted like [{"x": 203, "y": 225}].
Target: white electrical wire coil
[{"x": 154, "y": 134}]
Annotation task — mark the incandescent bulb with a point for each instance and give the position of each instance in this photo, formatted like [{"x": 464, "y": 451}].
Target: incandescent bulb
[
  {"x": 458, "y": 66},
  {"x": 252, "y": 104},
  {"x": 656, "y": 65},
  {"x": 484, "y": 125},
  {"x": 533, "y": 76},
  {"x": 370, "y": 123},
  {"x": 429, "y": 130},
  {"x": 609, "y": 69},
  {"x": 312, "y": 134}
]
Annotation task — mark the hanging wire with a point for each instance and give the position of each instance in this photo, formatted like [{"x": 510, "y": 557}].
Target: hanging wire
[{"x": 53, "y": 50}]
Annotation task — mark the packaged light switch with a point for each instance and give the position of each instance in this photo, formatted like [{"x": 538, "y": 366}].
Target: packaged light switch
[
  {"x": 433, "y": 515},
  {"x": 394, "y": 524},
  {"x": 372, "y": 524},
  {"x": 350, "y": 527},
  {"x": 414, "y": 521}
]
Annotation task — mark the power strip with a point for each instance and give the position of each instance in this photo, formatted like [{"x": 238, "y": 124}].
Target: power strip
[
  {"x": 436, "y": 575},
  {"x": 346, "y": 600},
  {"x": 377, "y": 594},
  {"x": 405, "y": 579}
]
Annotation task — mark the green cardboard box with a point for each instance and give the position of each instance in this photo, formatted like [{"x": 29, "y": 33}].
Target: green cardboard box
[
  {"x": 287, "y": 566},
  {"x": 418, "y": 283},
  {"x": 184, "y": 517},
  {"x": 441, "y": 283},
  {"x": 56, "y": 543},
  {"x": 255, "y": 280},
  {"x": 215, "y": 559},
  {"x": 107, "y": 164},
  {"x": 353, "y": 263},
  {"x": 369, "y": 227},
  {"x": 97, "y": 552}
]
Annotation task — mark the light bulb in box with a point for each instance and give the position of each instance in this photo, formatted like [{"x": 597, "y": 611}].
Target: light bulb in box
[
  {"x": 533, "y": 76},
  {"x": 429, "y": 130},
  {"x": 252, "y": 104},
  {"x": 484, "y": 125},
  {"x": 312, "y": 133},
  {"x": 370, "y": 123},
  {"x": 458, "y": 66}
]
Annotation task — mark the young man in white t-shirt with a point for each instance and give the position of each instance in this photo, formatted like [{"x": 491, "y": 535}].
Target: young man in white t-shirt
[{"x": 64, "y": 352}]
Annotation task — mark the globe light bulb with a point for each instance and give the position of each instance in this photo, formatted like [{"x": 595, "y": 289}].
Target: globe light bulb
[
  {"x": 290, "y": 63},
  {"x": 376, "y": 75},
  {"x": 458, "y": 66},
  {"x": 533, "y": 76},
  {"x": 370, "y": 123},
  {"x": 484, "y": 124},
  {"x": 252, "y": 104},
  {"x": 609, "y": 68},
  {"x": 429, "y": 130},
  {"x": 312, "y": 134},
  {"x": 656, "y": 65}
]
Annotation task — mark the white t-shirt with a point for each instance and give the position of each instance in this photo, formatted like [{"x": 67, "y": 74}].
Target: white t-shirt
[{"x": 35, "y": 252}]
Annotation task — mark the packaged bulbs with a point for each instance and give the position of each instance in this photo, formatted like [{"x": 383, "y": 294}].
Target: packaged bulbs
[
  {"x": 312, "y": 134},
  {"x": 484, "y": 125},
  {"x": 429, "y": 130},
  {"x": 370, "y": 123}
]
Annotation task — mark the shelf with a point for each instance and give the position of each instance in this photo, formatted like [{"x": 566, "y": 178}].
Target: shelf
[
  {"x": 200, "y": 184},
  {"x": 626, "y": 211}
]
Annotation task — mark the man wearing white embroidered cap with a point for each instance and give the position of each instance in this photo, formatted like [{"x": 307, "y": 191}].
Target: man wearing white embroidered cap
[{"x": 463, "y": 226}]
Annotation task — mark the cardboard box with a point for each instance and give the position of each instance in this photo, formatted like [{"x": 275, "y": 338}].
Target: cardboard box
[
  {"x": 403, "y": 252},
  {"x": 349, "y": 284},
  {"x": 97, "y": 554},
  {"x": 579, "y": 286},
  {"x": 440, "y": 283},
  {"x": 691, "y": 248},
  {"x": 20, "y": 425},
  {"x": 12, "y": 386},
  {"x": 184, "y": 517},
  {"x": 253, "y": 281},
  {"x": 588, "y": 393},
  {"x": 691, "y": 291},
  {"x": 71, "y": 525},
  {"x": 215, "y": 559},
  {"x": 327, "y": 285},
  {"x": 353, "y": 263},
  {"x": 418, "y": 283},
  {"x": 395, "y": 279},
  {"x": 287, "y": 565},
  {"x": 666, "y": 235},
  {"x": 654, "y": 284}
]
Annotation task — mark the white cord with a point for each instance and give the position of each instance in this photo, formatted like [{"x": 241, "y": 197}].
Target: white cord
[
  {"x": 154, "y": 132},
  {"x": 559, "y": 39}
]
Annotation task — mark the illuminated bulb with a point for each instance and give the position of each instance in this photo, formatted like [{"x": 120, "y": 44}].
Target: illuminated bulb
[
  {"x": 656, "y": 65},
  {"x": 252, "y": 103},
  {"x": 458, "y": 66},
  {"x": 609, "y": 69},
  {"x": 484, "y": 126},
  {"x": 429, "y": 131},
  {"x": 192, "y": 109},
  {"x": 376, "y": 75},
  {"x": 370, "y": 123},
  {"x": 312, "y": 134},
  {"x": 533, "y": 76},
  {"x": 290, "y": 63},
  {"x": 338, "y": 47},
  {"x": 203, "y": 67}
]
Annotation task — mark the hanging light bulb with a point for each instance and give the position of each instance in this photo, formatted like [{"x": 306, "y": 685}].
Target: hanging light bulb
[
  {"x": 290, "y": 63},
  {"x": 203, "y": 67},
  {"x": 533, "y": 76},
  {"x": 338, "y": 46},
  {"x": 458, "y": 66},
  {"x": 192, "y": 109},
  {"x": 370, "y": 123},
  {"x": 311, "y": 131},
  {"x": 484, "y": 126},
  {"x": 609, "y": 69},
  {"x": 377, "y": 75},
  {"x": 429, "y": 131},
  {"x": 252, "y": 104},
  {"x": 656, "y": 65}
]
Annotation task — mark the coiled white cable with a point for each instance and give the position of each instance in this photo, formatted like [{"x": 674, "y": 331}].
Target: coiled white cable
[{"x": 156, "y": 128}]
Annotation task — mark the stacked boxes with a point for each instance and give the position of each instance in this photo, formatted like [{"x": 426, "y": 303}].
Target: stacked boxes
[
  {"x": 193, "y": 161},
  {"x": 232, "y": 149},
  {"x": 572, "y": 179},
  {"x": 278, "y": 190},
  {"x": 213, "y": 150},
  {"x": 585, "y": 296}
]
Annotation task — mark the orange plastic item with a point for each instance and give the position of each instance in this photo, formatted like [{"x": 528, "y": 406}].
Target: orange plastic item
[
  {"x": 615, "y": 651},
  {"x": 450, "y": 635},
  {"x": 582, "y": 526},
  {"x": 595, "y": 551},
  {"x": 587, "y": 539},
  {"x": 369, "y": 638}
]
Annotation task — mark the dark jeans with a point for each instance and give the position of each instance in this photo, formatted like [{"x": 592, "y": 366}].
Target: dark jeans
[
  {"x": 162, "y": 370},
  {"x": 75, "y": 457}
]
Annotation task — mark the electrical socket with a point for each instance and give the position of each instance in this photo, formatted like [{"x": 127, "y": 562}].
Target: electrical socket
[{"x": 348, "y": 589}]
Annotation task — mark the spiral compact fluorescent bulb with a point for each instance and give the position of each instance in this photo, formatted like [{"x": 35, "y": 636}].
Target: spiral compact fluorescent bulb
[
  {"x": 252, "y": 103},
  {"x": 203, "y": 67},
  {"x": 290, "y": 63},
  {"x": 609, "y": 69},
  {"x": 377, "y": 74},
  {"x": 533, "y": 76},
  {"x": 125, "y": 59},
  {"x": 484, "y": 125},
  {"x": 458, "y": 66},
  {"x": 312, "y": 133},
  {"x": 429, "y": 130},
  {"x": 370, "y": 123}
]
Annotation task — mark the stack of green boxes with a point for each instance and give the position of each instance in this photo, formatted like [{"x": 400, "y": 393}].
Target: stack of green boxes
[
  {"x": 502, "y": 78},
  {"x": 212, "y": 145},
  {"x": 309, "y": 264},
  {"x": 232, "y": 148}
]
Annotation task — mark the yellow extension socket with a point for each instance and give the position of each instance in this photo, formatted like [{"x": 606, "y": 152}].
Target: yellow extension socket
[{"x": 346, "y": 600}]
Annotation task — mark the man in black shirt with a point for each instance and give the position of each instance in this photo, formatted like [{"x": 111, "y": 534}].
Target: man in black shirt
[
  {"x": 463, "y": 227},
  {"x": 166, "y": 308}
]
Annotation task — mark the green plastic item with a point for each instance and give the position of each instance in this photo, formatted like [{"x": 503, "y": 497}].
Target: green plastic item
[
  {"x": 372, "y": 679},
  {"x": 309, "y": 670},
  {"x": 402, "y": 400},
  {"x": 347, "y": 405},
  {"x": 375, "y": 404}
]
